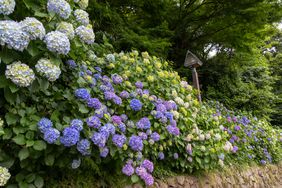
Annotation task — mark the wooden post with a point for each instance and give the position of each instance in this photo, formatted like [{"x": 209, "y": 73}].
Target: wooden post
[{"x": 196, "y": 83}]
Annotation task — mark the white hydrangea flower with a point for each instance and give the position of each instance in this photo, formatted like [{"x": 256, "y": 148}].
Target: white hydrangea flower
[
  {"x": 228, "y": 146},
  {"x": 57, "y": 42},
  {"x": 201, "y": 137},
  {"x": 110, "y": 57},
  {"x": 217, "y": 137},
  {"x": 7, "y": 6},
  {"x": 208, "y": 136},
  {"x": 60, "y": 7},
  {"x": 85, "y": 34},
  {"x": 221, "y": 162},
  {"x": 179, "y": 101},
  {"x": 174, "y": 93},
  {"x": 184, "y": 84},
  {"x": 81, "y": 17},
  {"x": 91, "y": 55},
  {"x": 175, "y": 114},
  {"x": 13, "y": 36},
  {"x": 50, "y": 71},
  {"x": 33, "y": 27},
  {"x": 20, "y": 74},
  {"x": 83, "y": 4},
  {"x": 66, "y": 28},
  {"x": 186, "y": 105},
  {"x": 4, "y": 176}
]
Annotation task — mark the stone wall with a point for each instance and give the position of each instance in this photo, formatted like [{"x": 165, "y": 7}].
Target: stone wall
[{"x": 269, "y": 176}]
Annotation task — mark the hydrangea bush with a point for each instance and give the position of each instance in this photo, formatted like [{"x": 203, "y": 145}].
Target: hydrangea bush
[{"x": 64, "y": 105}]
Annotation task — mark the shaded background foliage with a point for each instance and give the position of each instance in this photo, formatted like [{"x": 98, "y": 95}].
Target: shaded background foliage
[{"x": 242, "y": 75}]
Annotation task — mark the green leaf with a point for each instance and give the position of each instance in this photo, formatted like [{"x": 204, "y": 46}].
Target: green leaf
[
  {"x": 14, "y": 88},
  {"x": 198, "y": 160},
  {"x": 9, "y": 96},
  {"x": 30, "y": 178},
  {"x": 49, "y": 160},
  {"x": 44, "y": 84},
  {"x": 11, "y": 118},
  {"x": 83, "y": 109},
  {"x": 29, "y": 143},
  {"x": 39, "y": 145},
  {"x": 3, "y": 81},
  {"x": 134, "y": 178},
  {"x": 19, "y": 139},
  {"x": 39, "y": 182}
]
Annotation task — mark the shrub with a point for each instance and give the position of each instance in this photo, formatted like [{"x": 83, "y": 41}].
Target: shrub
[{"x": 124, "y": 109}]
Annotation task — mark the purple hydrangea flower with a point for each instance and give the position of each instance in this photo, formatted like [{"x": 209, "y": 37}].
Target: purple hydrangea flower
[
  {"x": 148, "y": 179},
  {"x": 124, "y": 94},
  {"x": 44, "y": 124},
  {"x": 136, "y": 143},
  {"x": 97, "y": 76},
  {"x": 163, "y": 120},
  {"x": 173, "y": 130},
  {"x": 235, "y": 149},
  {"x": 94, "y": 122},
  {"x": 173, "y": 123},
  {"x": 158, "y": 115},
  {"x": 117, "y": 79},
  {"x": 99, "y": 139},
  {"x": 119, "y": 140},
  {"x": 82, "y": 93},
  {"x": 128, "y": 169},
  {"x": 143, "y": 135},
  {"x": 51, "y": 135},
  {"x": 109, "y": 95},
  {"x": 143, "y": 123},
  {"x": 83, "y": 146},
  {"x": 139, "y": 156},
  {"x": 161, "y": 156},
  {"x": 116, "y": 119},
  {"x": 135, "y": 105},
  {"x": 155, "y": 136},
  {"x": 108, "y": 129},
  {"x": 104, "y": 152},
  {"x": 76, "y": 124},
  {"x": 148, "y": 165},
  {"x": 123, "y": 117},
  {"x": 146, "y": 92},
  {"x": 70, "y": 137},
  {"x": 94, "y": 103},
  {"x": 263, "y": 162},
  {"x": 161, "y": 108},
  {"x": 71, "y": 64},
  {"x": 139, "y": 91},
  {"x": 175, "y": 156},
  {"x": 141, "y": 171},
  {"x": 237, "y": 128},
  {"x": 139, "y": 84},
  {"x": 169, "y": 115},
  {"x": 98, "y": 69}
]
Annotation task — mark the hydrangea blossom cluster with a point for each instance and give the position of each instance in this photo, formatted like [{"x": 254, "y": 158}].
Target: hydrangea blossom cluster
[
  {"x": 4, "y": 176},
  {"x": 66, "y": 28},
  {"x": 83, "y": 146},
  {"x": 81, "y": 17},
  {"x": 57, "y": 42},
  {"x": 13, "y": 36},
  {"x": 60, "y": 7},
  {"x": 48, "y": 70},
  {"x": 20, "y": 74},
  {"x": 7, "y": 6},
  {"x": 33, "y": 27},
  {"x": 144, "y": 175},
  {"x": 135, "y": 105},
  {"x": 119, "y": 140},
  {"x": 85, "y": 34},
  {"x": 51, "y": 134},
  {"x": 70, "y": 137},
  {"x": 136, "y": 143}
]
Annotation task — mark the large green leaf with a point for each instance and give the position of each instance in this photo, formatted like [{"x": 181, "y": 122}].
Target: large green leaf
[{"x": 23, "y": 154}]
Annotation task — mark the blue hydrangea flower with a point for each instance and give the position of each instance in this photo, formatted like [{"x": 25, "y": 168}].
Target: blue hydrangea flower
[
  {"x": 173, "y": 130},
  {"x": 94, "y": 103},
  {"x": 97, "y": 76},
  {"x": 108, "y": 129},
  {"x": 44, "y": 124},
  {"x": 81, "y": 17},
  {"x": 143, "y": 135},
  {"x": 98, "y": 69},
  {"x": 128, "y": 169},
  {"x": 66, "y": 28},
  {"x": 122, "y": 127},
  {"x": 109, "y": 95},
  {"x": 155, "y": 136},
  {"x": 51, "y": 135},
  {"x": 85, "y": 34},
  {"x": 175, "y": 156},
  {"x": 161, "y": 108},
  {"x": 99, "y": 139},
  {"x": 70, "y": 137},
  {"x": 143, "y": 123},
  {"x": 60, "y": 7},
  {"x": 148, "y": 165},
  {"x": 47, "y": 69},
  {"x": 83, "y": 146},
  {"x": 77, "y": 124},
  {"x": 57, "y": 42},
  {"x": 124, "y": 117},
  {"x": 82, "y": 93},
  {"x": 117, "y": 100},
  {"x": 7, "y": 6},
  {"x": 136, "y": 143},
  {"x": 135, "y": 105},
  {"x": 33, "y": 27},
  {"x": 104, "y": 152},
  {"x": 94, "y": 122},
  {"x": 119, "y": 140},
  {"x": 13, "y": 36},
  {"x": 71, "y": 63}
]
